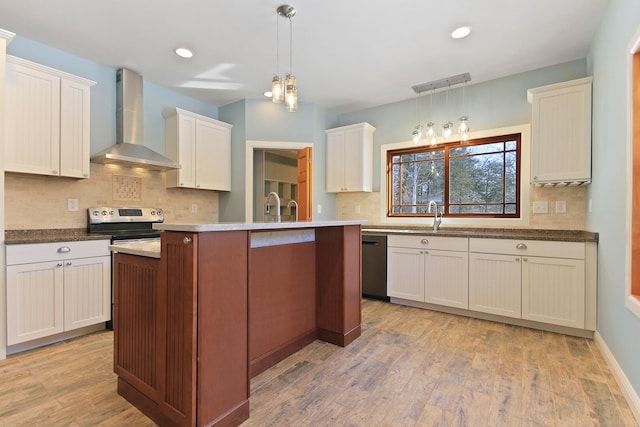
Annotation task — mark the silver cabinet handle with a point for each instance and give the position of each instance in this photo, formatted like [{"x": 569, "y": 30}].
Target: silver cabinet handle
[
  {"x": 64, "y": 249},
  {"x": 59, "y": 264},
  {"x": 69, "y": 262},
  {"x": 424, "y": 241},
  {"x": 187, "y": 240},
  {"x": 521, "y": 246}
]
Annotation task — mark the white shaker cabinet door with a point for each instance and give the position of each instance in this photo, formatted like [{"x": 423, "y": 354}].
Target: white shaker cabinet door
[
  {"x": 553, "y": 291},
  {"x": 213, "y": 151},
  {"x": 87, "y": 291},
  {"x": 32, "y": 133},
  {"x": 35, "y": 301},
  {"x": 405, "y": 273},
  {"x": 495, "y": 284},
  {"x": 447, "y": 278},
  {"x": 75, "y": 135}
]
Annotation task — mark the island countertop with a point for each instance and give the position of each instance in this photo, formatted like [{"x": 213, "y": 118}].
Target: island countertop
[{"x": 252, "y": 226}]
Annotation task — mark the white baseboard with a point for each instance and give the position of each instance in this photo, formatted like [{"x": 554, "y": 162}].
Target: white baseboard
[{"x": 627, "y": 389}]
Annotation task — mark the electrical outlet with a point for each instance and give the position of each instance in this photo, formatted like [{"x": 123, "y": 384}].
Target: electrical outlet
[
  {"x": 319, "y": 209},
  {"x": 358, "y": 209},
  {"x": 194, "y": 208},
  {"x": 561, "y": 206},
  {"x": 72, "y": 205},
  {"x": 540, "y": 207}
]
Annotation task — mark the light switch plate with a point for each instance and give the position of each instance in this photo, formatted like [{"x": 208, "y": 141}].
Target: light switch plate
[
  {"x": 561, "y": 206},
  {"x": 540, "y": 207}
]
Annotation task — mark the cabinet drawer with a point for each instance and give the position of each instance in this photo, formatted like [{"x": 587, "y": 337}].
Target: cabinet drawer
[
  {"x": 41, "y": 252},
  {"x": 550, "y": 249},
  {"x": 429, "y": 242}
]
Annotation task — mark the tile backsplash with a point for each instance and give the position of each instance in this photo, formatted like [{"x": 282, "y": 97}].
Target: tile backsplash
[
  {"x": 574, "y": 198},
  {"x": 36, "y": 201}
]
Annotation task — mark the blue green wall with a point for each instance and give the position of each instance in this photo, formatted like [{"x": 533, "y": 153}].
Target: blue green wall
[{"x": 608, "y": 61}]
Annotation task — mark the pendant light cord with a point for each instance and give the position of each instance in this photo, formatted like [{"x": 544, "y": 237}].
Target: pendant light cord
[{"x": 290, "y": 46}]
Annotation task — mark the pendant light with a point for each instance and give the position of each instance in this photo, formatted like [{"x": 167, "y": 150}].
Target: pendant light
[
  {"x": 290, "y": 89},
  {"x": 447, "y": 128},
  {"x": 285, "y": 89},
  {"x": 432, "y": 135},
  {"x": 463, "y": 128},
  {"x": 416, "y": 136},
  {"x": 277, "y": 85}
]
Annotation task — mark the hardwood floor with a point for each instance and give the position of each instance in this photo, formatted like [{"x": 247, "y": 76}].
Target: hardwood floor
[{"x": 409, "y": 367}]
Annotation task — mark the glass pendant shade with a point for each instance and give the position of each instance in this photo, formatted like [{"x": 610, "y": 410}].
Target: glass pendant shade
[
  {"x": 290, "y": 94},
  {"x": 463, "y": 129},
  {"x": 431, "y": 131},
  {"x": 277, "y": 90},
  {"x": 417, "y": 134},
  {"x": 447, "y": 130}
]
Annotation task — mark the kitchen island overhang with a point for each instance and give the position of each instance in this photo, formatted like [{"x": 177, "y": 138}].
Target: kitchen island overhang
[{"x": 231, "y": 301}]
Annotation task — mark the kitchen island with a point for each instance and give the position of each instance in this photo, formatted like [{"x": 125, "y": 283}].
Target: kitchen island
[{"x": 223, "y": 303}]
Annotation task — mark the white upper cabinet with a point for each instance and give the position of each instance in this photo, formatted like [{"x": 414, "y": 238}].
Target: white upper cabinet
[
  {"x": 47, "y": 116},
  {"x": 349, "y": 158},
  {"x": 202, "y": 147},
  {"x": 561, "y": 133}
]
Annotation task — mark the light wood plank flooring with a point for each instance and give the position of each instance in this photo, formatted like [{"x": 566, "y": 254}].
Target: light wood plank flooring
[{"x": 410, "y": 367}]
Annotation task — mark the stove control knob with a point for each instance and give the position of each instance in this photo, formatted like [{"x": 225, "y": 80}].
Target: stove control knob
[
  {"x": 96, "y": 213},
  {"x": 104, "y": 213},
  {"x": 110, "y": 212},
  {"x": 159, "y": 212},
  {"x": 153, "y": 213}
]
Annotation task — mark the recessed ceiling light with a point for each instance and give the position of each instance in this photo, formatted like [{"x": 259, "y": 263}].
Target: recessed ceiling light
[
  {"x": 461, "y": 32},
  {"x": 184, "y": 52}
]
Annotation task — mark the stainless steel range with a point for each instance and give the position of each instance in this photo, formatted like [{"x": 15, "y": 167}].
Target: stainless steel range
[{"x": 124, "y": 225}]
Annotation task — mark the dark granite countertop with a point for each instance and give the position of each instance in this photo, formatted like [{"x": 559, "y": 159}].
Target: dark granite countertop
[
  {"x": 489, "y": 233},
  {"x": 14, "y": 237}
]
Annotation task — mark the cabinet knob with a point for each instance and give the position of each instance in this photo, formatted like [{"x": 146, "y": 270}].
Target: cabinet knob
[
  {"x": 521, "y": 246},
  {"x": 54, "y": 172},
  {"x": 59, "y": 264},
  {"x": 517, "y": 259},
  {"x": 86, "y": 175},
  {"x": 64, "y": 249},
  {"x": 187, "y": 240},
  {"x": 525, "y": 259},
  {"x": 424, "y": 241},
  {"x": 198, "y": 186},
  {"x": 69, "y": 262}
]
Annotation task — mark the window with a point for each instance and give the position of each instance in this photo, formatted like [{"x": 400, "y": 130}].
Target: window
[{"x": 478, "y": 179}]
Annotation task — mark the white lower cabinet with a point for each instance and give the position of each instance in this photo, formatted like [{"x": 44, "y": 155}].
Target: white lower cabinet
[
  {"x": 56, "y": 287},
  {"x": 428, "y": 269},
  {"x": 541, "y": 281}
]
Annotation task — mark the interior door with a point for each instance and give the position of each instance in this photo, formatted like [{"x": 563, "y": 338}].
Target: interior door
[{"x": 305, "y": 173}]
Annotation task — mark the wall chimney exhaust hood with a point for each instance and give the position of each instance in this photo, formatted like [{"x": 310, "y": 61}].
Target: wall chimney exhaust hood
[{"x": 129, "y": 149}]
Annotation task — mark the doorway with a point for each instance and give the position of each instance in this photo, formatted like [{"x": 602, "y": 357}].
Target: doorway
[{"x": 252, "y": 151}]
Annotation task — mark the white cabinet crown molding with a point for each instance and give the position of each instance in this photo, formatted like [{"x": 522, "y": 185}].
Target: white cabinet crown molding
[{"x": 58, "y": 73}]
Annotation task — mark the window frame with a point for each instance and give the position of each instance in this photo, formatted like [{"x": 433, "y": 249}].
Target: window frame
[{"x": 447, "y": 147}]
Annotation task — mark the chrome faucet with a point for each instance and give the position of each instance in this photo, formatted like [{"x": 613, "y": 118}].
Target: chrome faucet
[
  {"x": 293, "y": 202},
  {"x": 273, "y": 193},
  {"x": 436, "y": 221}
]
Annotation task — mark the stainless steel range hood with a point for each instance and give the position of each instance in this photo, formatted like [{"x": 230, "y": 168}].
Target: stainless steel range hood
[{"x": 129, "y": 149}]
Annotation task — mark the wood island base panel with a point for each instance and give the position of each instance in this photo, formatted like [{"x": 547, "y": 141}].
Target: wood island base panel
[{"x": 194, "y": 326}]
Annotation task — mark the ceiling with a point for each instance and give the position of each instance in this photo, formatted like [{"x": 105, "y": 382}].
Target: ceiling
[{"x": 347, "y": 55}]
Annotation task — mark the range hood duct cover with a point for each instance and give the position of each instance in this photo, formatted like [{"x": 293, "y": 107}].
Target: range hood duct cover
[{"x": 129, "y": 149}]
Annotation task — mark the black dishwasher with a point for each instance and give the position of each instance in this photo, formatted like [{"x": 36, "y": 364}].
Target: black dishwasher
[{"x": 374, "y": 266}]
